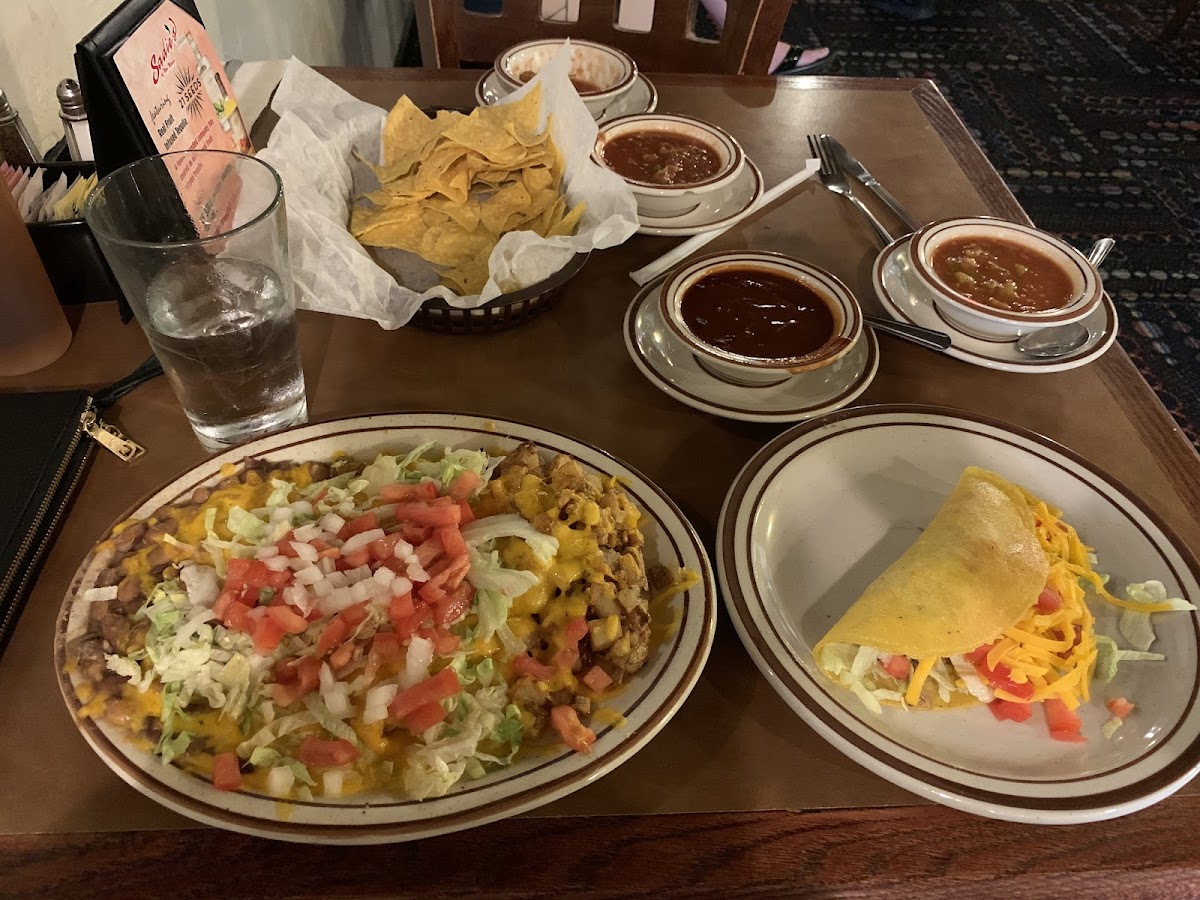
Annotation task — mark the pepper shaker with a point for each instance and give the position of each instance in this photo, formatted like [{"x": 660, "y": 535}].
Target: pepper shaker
[
  {"x": 74, "y": 119},
  {"x": 16, "y": 146}
]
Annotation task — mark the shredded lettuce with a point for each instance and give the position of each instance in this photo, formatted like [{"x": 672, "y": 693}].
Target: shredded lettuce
[
  {"x": 1109, "y": 728},
  {"x": 281, "y": 491},
  {"x": 273, "y": 731},
  {"x": 266, "y": 758},
  {"x": 244, "y": 524},
  {"x": 1108, "y": 655},
  {"x": 437, "y": 766},
  {"x": 1135, "y": 626},
  {"x": 489, "y": 528},
  {"x": 492, "y": 609},
  {"x": 488, "y": 574},
  {"x": 855, "y": 668},
  {"x": 171, "y": 747},
  {"x": 330, "y": 722}
]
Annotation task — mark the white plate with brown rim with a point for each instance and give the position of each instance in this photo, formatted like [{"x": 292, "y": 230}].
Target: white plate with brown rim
[
  {"x": 821, "y": 510},
  {"x": 642, "y": 96},
  {"x": 654, "y": 695},
  {"x": 671, "y": 366},
  {"x": 720, "y": 209},
  {"x": 906, "y": 299}
]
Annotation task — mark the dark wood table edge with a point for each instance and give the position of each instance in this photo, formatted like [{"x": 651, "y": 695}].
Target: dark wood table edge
[
  {"x": 905, "y": 851},
  {"x": 927, "y": 850}
]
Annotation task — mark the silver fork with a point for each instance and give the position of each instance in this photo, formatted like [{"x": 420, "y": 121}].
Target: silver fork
[{"x": 834, "y": 179}]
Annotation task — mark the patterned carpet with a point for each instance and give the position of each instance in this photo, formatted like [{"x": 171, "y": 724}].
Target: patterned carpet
[{"x": 1094, "y": 124}]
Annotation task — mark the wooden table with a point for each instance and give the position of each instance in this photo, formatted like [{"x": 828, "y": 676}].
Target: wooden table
[{"x": 569, "y": 370}]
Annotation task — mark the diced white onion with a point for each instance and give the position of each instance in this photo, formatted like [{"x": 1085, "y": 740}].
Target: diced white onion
[
  {"x": 310, "y": 575},
  {"x": 338, "y": 704},
  {"x": 382, "y": 694},
  {"x": 276, "y": 563},
  {"x": 326, "y": 678},
  {"x": 305, "y": 551},
  {"x": 280, "y": 514},
  {"x": 373, "y": 714},
  {"x": 360, "y": 574},
  {"x": 96, "y": 595},
  {"x": 307, "y": 532},
  {"x": 332, "y": 522},
  {"x": 337, "y": 600},
  {"x": 400, "y": 586},
  {"x": 337, "y": 579},
  {"x": 333, "y": 780},
  {"x": 404, "y": 550},
  {"x": 358, "y": 541},
  {"x": 297, "y": 563},
  {"x": 383, "y": 576},
  {"x": 364, "y": 590},
  {"x": 416, "y": 573},
  {"x": 280, "y": 780},
  {"x": 327, "y": 565},
  {"x": 298, "y": 597},
  {"x": 302, "y": 508},
  {"x": 416, "y": 662},
  {"x": 385, "y": 511},
  {"x": 323, "y": 588},
  {"x": 266, "y": 552}
]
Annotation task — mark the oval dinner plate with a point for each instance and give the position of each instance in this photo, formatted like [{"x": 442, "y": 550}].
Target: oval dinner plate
[
  {"x": 654, "y": 694},
  {"x": 821, "y": 510}
]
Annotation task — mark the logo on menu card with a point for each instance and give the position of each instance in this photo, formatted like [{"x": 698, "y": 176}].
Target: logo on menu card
[
  {"x": 161, "y": 61},
  {"x": 191, "y": 91}
]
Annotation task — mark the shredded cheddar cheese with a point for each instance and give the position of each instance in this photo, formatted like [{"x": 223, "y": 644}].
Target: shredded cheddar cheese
[{"x": 913, "y": 695}]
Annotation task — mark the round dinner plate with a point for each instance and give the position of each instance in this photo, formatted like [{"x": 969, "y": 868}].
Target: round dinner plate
[
  {"x": 906, "y": 300},
  {"x": 672, "y": 367},
  {"x": 720, "y": 209},
  {"x": 824, "y": 508},
  {"x": 642, "y": 96},
  {"x": 652, "y": 697}
]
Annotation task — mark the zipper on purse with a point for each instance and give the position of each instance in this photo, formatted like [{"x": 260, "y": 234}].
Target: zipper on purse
[{"x": 108, "y": 436}]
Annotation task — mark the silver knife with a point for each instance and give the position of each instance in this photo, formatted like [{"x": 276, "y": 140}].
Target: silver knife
[{"x": 858, "y": 171}]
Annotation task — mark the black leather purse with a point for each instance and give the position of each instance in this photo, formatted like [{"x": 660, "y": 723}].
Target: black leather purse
[{"x": 59, "y": 433}]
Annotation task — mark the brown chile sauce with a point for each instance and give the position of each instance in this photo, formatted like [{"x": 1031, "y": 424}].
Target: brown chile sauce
[{"x": 757, "y": 313}]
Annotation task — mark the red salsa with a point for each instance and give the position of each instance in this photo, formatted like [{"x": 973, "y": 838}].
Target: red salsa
[
  {"x": 1003, "y": 275},
  {"x": 757, "y": 313},
  {"x": 582, "y": 85},
  {"x": 661, "y": 157}
]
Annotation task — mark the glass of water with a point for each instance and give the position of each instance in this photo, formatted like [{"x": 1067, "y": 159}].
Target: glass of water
[{"x": 198, "y": 242}]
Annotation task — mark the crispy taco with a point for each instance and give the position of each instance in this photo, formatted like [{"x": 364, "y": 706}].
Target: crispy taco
[{"x": 987, "y": 606}]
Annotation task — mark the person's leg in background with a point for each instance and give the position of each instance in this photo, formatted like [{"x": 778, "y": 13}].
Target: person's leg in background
[{"x": 788, "y": 60}]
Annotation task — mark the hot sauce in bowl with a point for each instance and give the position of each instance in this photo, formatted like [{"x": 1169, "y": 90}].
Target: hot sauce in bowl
[
  {"x": 658, "y": 156},
  {"x": 1003, "y": 274}
]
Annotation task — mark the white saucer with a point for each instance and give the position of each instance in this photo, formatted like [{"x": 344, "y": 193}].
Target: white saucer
[
  {"x": 906, "y": 300},
  {"x": 672, "y": 368},
  {"x": 642, "y": 97},
  {"x": 721, "y": 209}
]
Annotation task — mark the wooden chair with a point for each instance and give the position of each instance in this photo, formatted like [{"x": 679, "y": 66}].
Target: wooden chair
[{"x": 450, "y": 35}]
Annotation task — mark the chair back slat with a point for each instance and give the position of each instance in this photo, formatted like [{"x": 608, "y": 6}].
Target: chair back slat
[{"x": 451, "y": 35}]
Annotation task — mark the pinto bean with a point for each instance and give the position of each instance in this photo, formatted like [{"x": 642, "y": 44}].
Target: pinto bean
[
  {"x": 128, "y": 537},
  {"x": 201, "y": 495},
  {"x": 110, "y": 577}
]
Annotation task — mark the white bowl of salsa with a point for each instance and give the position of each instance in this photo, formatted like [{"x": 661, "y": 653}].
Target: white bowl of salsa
[
  {"x": 756, "y": 318},
  {"x": 669, "y": 161},
  {"x": 600, "y": 73},
  {"x": 998, "y": 280}
]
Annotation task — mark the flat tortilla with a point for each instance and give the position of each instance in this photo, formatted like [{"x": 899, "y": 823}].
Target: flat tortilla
[{"x": 974, "y": 572}]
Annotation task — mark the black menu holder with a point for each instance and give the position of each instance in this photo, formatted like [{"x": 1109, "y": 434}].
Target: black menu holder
[{"x": 119, "y": 135}]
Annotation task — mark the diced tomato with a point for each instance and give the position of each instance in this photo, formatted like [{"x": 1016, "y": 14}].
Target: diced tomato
[
  {"x": 452, "y": 575},
  {"x": 463, "y": 484},
  {"x": 227, "y": 773},
  {"x": 295, "y": 680},
  {"x": 237, "y": 617},
  {"x": 576, "y": 630},
  {"x": 1007, "y": 709},
  {"x": 597, "y": 679},
  {"x": 566, "y": 659},
  {"x": 399, "y": 493},
  {"x": 898, "y": 666},
  {"x": 333, "y": 636},
  {"x": 288, "y": 619},
  {"x": 454, "y": 605},
  {"x": 235, "y": 573},
  {"x": 366, "y": 522},
  {"x": 574, "y": 733},
  {"x": 385, "y": 547},
  {"x": 415, "y": 534},
  {"x": 431, "y": 595},
  {"x": 341, "y": 657},
  {"x": 221, "y": 604},
  {"x": 428, "y": 552},
  {"x": 359, "y": 557},
  {"x": 285, "y": 548},
  {"x": 398, "y": 566},
  {"x": 468, "y": 514},
  {"x": 444, "y": 642},
  {"x": 267, "y": 635},
  {"x": 401, "y": 607},
  {"x": 354, "y": 615},
  {"x": 314, "y": 752},
  {"x": 979, "y": 654},
  {"x": 408, "y": 626},
  {"x": 1063, "y": 723},
  {"x": 424, "y": 717},
  {"x": 429, "y": 512},
  {"x": 1001, "y": 679},
  {"x": 452, "y": 540},
  {"x": 1049, "y": 600},
  {"x": 1119, "y": 707},
  {"x": 278, "y": 580},
  {"x": 385, "y": 647},
  {"x": 527, "y": 665},
  {"x": 437, "y": 687}
]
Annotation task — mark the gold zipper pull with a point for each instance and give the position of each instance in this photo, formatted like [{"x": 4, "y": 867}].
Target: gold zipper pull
[{"x": 109, "y": 436}]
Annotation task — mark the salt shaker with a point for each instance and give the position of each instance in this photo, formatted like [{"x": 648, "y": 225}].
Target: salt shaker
[
  {"x": 16, "y": 146},
  {"x": 74, "y": 119}
]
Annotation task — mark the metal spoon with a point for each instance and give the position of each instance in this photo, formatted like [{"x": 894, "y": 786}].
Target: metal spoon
[{"x": 1051, "y": 342}]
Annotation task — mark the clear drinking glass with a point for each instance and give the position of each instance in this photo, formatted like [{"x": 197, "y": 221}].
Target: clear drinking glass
[{"x": 198, "y": 242}]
